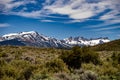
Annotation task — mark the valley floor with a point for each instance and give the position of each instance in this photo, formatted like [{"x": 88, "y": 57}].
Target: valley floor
[{"x": 29, "y": 63}]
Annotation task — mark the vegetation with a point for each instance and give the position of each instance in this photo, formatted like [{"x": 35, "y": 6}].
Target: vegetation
[
  {"x": 75, "y": 57},
  {"x": 110, "y": 46},
  {"x": 29, "y": 63}
]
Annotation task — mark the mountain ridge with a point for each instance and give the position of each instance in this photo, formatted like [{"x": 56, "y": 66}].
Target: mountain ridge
[{"x": 33, "y": 38}]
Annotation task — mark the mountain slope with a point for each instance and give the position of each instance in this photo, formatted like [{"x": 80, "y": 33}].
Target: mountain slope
[
  {"x": 81, "y": 41},
  {"x": 35, "y": 39},
  {"x": 14, "y": 42},
  {"x": 32, "y": 38},
  {"x": 110, "y": 46}
]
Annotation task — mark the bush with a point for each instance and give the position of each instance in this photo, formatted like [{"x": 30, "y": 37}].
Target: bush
[
  {"x": 56, "y": 65},
  {"x": 8, "y": 71},
  {"x": 80, "y": 74},
  {"x": 116, "y": 58},
  {"x": 89, "y": 55},
  {"x": 88, "y": 75},
  {"x": 77, "y": 56},
  {"x": 2, "y": 54},
  {"x": 72, "y": 58},
  {"x": 62, "y": 76},
  {"x": 28, "y": 72},
  {"x": 41, "y": 76}
]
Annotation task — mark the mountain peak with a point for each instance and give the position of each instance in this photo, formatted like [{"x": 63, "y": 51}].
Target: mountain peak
[
  {"x": 32, "y": 38},
  {"x": 35, "y": 39},
  {"x": 85, "y": 42},
  {"x": 16, "y": 35},
  {"x": 29, "y": 32}
]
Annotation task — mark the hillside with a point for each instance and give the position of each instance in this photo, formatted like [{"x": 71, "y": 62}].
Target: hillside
[
  {"x": 29, "y": 63},
  {"x": 110, "y": 46}
]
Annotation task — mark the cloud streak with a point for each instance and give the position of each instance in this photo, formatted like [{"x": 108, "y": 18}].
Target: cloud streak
[
  {"x": 7, "y": 5},
  {"x": 4, "y": 25},
  {"x": 47, "y": 21},
  {"x": 78, "y": 10},
  {"x": 107, "y": 28},
  {"x": 81, "y": 9}
]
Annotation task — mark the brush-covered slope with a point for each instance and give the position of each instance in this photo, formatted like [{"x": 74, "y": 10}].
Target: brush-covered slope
[
  {"x": 30, "y": 63},
  {"x": 110, "y": 46}
]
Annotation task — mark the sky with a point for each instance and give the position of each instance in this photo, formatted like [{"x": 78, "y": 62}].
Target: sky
[{"x": 62, "y": 18}]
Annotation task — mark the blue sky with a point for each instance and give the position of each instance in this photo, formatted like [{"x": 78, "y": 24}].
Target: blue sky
[{"x": 62, "y": 18}]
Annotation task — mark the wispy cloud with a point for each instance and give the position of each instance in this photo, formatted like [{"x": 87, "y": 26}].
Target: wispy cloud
[
  {"x": 82, "y": 9},
  {"x": 47, "y": 21},
  {"x": 33, "y": 14},
  {"x": 78, "y": 10},
  {"x": 4, "y": 25},
  {"x": 118, "y": 35},
  {"x": 8, "y": 5},
  {"x": 107, "y": 28},
  {"x": 104, "y": 24},
  {"x": 74, "y": 9}
]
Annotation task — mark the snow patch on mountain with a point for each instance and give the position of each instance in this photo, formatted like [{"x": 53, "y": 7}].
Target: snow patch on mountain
[
  {"x": 81, "y": 41},
  {"x": 35, "y": 39}
]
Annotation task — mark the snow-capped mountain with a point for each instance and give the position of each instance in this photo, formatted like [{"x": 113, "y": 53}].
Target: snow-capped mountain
[
  {"x": 81, "y": 41},
  {"x": 33, "y": 38},
  {"x": 30, "y": 36}
]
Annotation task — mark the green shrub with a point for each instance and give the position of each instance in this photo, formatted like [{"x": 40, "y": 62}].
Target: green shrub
[
  {"x": 28, "y": 72},
  {"x": 116, "y": 58},
  {"x": 62, "y": 76},
  {"x": 88, "y": 75},
  {"x": 8, "y": 78},
  {"x": 80, "y": 74},
  {"x": 90, "y": 56},
  {"x": 41, "y": 76},
  {"x": 3, "y": 54},
  {"x": 9, "y": 71},
  {"x": 56, "y": 65},
  {"x": 2, "y": 62},
  {"x": 77, "y": 56},
  {"x": 72, "y": 58}
]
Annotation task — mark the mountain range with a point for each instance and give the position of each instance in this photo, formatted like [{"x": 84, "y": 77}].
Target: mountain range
[{"x": 35, "y": 39}]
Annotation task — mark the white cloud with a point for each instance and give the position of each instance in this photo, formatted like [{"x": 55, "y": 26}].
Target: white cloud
[
  {"x": 82, "y": 15},
  {"x": 107, "y": 28},
  {"x": 78, "y": 10},
  {"x": 73, "y": 21},
  {"x": 81, "y": 9},
  {"x": 4, "y": 25},
  {"x": 47, "y": 21},
  {"x": 110, "y": 15},
  {"x": 106, "y": 23},
  {"x": 81, "y": 12},
  {"x": 13, "y": 5},
  {"x": 48, "y": 16},
  {"x": 5, "y": 1},
  {"x": 8, "y": 5},
  {"x": 33, "y": 14}
]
